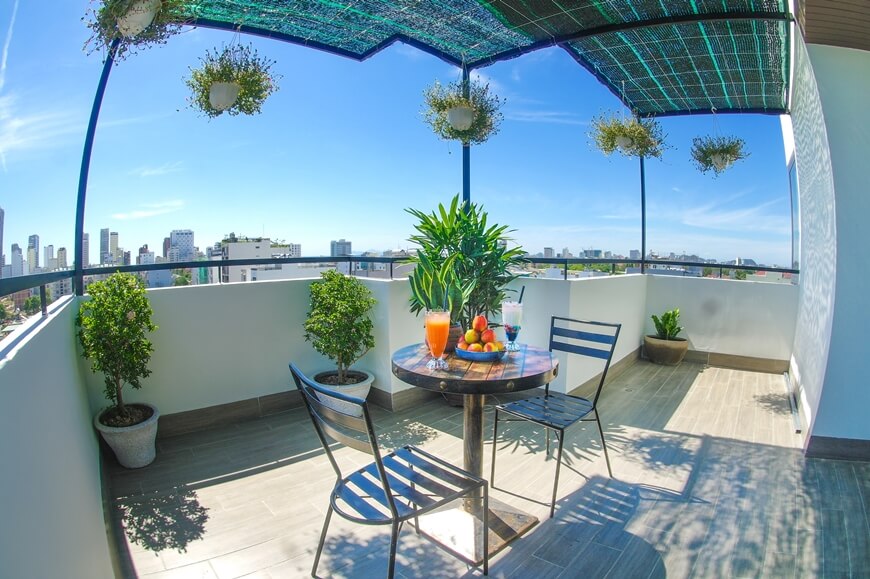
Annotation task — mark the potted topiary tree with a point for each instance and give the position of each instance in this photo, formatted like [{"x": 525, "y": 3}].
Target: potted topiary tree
[
  {"x": 113, "y": 327},
  {"x": 339, "y": 327},
  {"x": 665, "y": 347}
]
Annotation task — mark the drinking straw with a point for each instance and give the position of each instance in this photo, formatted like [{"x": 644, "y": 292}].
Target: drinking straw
[{"x": 522, "y": 290}]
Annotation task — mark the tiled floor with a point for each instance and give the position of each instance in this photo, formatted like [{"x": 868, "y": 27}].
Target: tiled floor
[{"x": 709, "y": 482}]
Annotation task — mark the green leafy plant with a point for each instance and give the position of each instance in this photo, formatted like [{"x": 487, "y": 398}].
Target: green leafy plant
[
  {"x": 338, "y": 323},
  {"x": 485, "y": 107},
  {"x": 630, "y": 136},
  {"x": 105, "y": 19},
  {"x": 436, "y": 286},
  {"x": 238, "y": 64},
  {"x": 668, "y": 326},
  {"x": 717, "y": 153},
  {"x": 112, "y": 329},
  {"x": 458, "y": 239}
]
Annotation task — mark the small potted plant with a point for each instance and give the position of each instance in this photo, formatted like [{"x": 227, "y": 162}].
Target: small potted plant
[
  {"x": 339, "y": 327},
  {"x": 133, "y": 23},
  {"x": 631, "y": 136},
  {"x": 113, "y": 327},
  {"x": 471, "y": 119},
  {"x": 717, "y": 153},
  {"x": 665, "y": 347},
  {"x": 234, "y": 80}
]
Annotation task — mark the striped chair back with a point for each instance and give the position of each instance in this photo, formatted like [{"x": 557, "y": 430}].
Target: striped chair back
[{"x": 585, "y": 338}]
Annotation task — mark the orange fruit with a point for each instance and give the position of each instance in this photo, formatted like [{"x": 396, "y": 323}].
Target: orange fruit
[
  {"x": 475, "y": 347},
  {"x": 471, "y": 336}
]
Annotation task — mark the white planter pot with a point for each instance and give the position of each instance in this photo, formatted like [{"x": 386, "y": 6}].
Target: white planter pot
[
  {"x": 720, "y": 161},
  {"x": 460, "y": 118},
  {"x": 223, "y": 95},
  {"x": 139, "y": 17},
  {"x": 624, "y": 143},
  {"x": 360, "y": 390},
  {"x": 134, "y": 446}
]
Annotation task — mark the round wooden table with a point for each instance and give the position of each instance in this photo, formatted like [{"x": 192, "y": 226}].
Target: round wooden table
[{"x": 528, "y": 368}]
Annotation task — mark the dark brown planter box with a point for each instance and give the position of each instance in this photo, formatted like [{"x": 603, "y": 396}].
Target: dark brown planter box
[{"x": 666, "y": 352}]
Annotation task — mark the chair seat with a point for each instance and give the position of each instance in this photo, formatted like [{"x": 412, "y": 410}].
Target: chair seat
[
  {"x": 419, "y": 483},
  {"x": 554, "y": 410}
]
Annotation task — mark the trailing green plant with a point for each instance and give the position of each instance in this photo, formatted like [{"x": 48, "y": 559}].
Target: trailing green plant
[
  {"x": 668, "y": 326},
  {"x": 113, "y": 327},
  {"x": 338, "y": 323},
  {"x": 630, "y": 136},
  {"x": 436, "y": 286},
  {"x": 486, "y": 107},
  {"x": 459, "y": 239},
  {"x": 239, "y": 64},
  {"x": 717, "y": 153},
  {"x": 104, "y": 16}
]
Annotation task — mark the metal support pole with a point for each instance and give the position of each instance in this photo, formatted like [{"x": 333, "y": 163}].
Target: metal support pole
[
  {"x": 466, "y": 148},
  {"x": 43, "y": 300},
  {"x": 642, "y": 218},
  {"x": 78, "y": 277}
]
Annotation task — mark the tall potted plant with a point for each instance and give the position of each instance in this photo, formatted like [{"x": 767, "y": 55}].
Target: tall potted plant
[
  {"x": 113, "y": 327},
  {"x": 459, "y": 239},
  {"x": 435, "y": 286},
  {"x": 665, "y": 347},
  {"x": 339, "y": 326}
]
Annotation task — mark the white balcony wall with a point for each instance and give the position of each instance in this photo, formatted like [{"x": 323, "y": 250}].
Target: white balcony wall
[
  {"x": 740, "y": 318},
  {"x": 52, "y": 515}
]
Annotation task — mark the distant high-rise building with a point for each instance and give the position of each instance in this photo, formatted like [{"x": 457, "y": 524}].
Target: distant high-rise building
[
  {"x": 340, "y": 247},
  {"x": 182, "y": 241},
  {"x": 114, "y": 248},
  {"x": 634, "y": 254},
  {"x": 549, "y": 253},
  {"x": 566, "y": 253},
  {"x": 295, "y": 250},
  {"x": 16, "y": 260},
  {"x": 49, "y": 253},
  {"x": 167, "y": 243},
  {"x": 61, "y": 258},
  {"x": 33, "y": 246},
  {"x": 86, "y": 250},
  {"x": 2, "y": 255},
  {"x": 104, "y": 245}
]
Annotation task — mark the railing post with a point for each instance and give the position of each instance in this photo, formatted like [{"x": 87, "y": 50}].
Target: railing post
[
  {"x": 642, "y": 217},
  {"x": 466, "y": 148},
  {"x": 43, "y": 300}
]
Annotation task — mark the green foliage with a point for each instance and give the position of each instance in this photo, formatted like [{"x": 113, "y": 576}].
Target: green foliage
[
  {"x": 435, "y": 286},
  {"x": 102, "y": 20},
  {"x": 486, "y": 107},
  {"x": 112, "y": 328},
  {"x": 717, "y": 153},
  {"x": 459, "y": 239},
  {"x": 31, "y": 305},
  {"x": 645, "y": 136},
  {"x": 239, "y": 64},
  {"x": 5, "y": 310},
  {"x": 338, "y": 323},
  {"x": 181, "y": 277},
  {"x": 668, "y": 326}
]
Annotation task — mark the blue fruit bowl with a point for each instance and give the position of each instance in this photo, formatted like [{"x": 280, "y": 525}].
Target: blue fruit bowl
[{"x": 480, "y": 356}]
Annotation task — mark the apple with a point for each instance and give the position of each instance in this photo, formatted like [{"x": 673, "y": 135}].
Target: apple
[
  {"x": 462, "y": 346},
  {"x": 475, "y": 347},
  {"x": 479, "y": 323},
  {"x": 487, "y": 336},
  {"x": 471, "y": 337},
  {"x": 490, "y": 347}
]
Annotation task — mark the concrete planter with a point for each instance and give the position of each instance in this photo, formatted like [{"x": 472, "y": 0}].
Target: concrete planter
[
  {"x": 666, "y": 352},
  {"x": 134, "y": 446},
  {"x": 360, "y": 390}
]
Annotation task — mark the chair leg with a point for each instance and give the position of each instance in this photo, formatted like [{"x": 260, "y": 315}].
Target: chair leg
[
  {"x": 485, "y": 532},
  {"x": 561, "y": 435},
  {"x": 394, "y": 539},
  {"x": 494, "y": 446},
  {"x": 322, "y": 540},
  {"x": 603, "y": 444}
]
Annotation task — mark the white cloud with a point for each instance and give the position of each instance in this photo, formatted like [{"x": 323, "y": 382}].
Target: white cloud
[
  {"x": 164, "y": 169},
  {"x": 550, "y": 117},
  {"x": 4, "y": 56},
  {"x": 36, "y": 131},
  {"x": 151, "y": 210}
]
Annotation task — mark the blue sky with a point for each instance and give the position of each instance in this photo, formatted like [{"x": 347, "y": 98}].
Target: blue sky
[{"x": 340, "y": 150}]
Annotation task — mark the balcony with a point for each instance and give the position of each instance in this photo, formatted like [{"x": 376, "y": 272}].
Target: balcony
[{"x": 710, "y": 477}]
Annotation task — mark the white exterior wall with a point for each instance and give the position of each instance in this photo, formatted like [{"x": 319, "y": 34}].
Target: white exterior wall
[
  {"x": 52, "y": 523},
  {"x": 843, "y": 77}
]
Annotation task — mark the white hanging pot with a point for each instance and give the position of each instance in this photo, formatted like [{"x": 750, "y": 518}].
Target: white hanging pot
[
  {"x": 223, "y": 95},
  {"x": 461, "y": 117},
  {"x": 624, "y": 143},
  {"x": 139, "y": 17},
  {"x": 720, "y": 161}
]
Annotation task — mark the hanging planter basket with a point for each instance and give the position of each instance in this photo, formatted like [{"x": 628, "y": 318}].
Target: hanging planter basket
[
  {"x": 717, "y": 153},
  {"x": 234, "y": 80},
  {"x": 134, "y": 23},
  {"x": 452, "y": 116},
  {"x": 630, "y": 136}
]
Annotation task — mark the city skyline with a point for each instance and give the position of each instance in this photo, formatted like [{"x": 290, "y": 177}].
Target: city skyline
[{"x": 341, "y": 151}]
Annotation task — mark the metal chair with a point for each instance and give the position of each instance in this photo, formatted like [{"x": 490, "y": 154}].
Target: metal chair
[
  {"x": 555, "y": 411},
  {"x": 399, "y": 486}
]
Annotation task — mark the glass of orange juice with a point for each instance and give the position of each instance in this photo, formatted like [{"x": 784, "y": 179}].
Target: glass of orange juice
[{"x": 437, "y": 328}]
